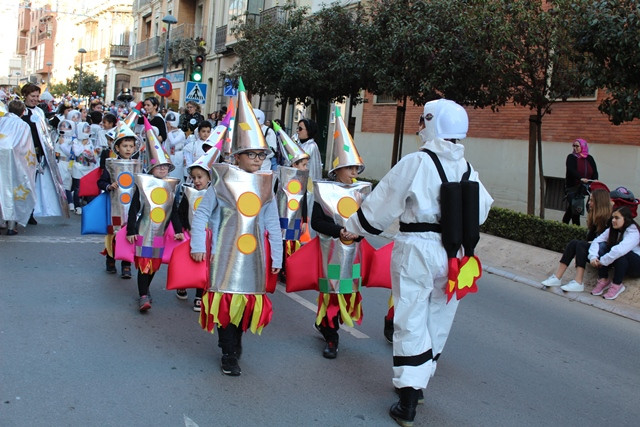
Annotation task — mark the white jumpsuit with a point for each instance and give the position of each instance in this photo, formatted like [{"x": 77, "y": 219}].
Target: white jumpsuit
[{"x": 410, "y": 192}]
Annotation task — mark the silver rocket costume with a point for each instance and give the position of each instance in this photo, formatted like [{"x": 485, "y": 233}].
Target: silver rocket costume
[
  {"x": 292, "y": 185},
  {"x": 193, "y": 198},
  {"x": 340, "y": 260},
  {"x": 156, "y": 198},
  {"x": 122, "y": 172}
]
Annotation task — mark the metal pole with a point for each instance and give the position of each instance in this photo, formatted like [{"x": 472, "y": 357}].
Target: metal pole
[{"x": 166, "y": 59}]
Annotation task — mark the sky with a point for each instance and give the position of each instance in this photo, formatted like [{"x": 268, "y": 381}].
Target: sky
[{"x": 8, "y": 33}]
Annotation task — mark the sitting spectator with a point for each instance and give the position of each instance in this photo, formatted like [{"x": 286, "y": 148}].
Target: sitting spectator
[
  {"x": 597, "y": 222},
  {"x": 618, "y": 248}
]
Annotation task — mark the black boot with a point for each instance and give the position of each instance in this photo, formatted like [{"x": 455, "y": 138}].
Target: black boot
[
  {"x": 420, "y": 395},
  {"x": 404, "y": 411},
  {"x": 330, "y": 350},
  {"x": 111, "y": 265},
  {"x": 388, "y": 330}
]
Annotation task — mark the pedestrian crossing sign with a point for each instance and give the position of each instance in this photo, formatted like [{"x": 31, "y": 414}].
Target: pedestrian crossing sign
[{"x": 196, "y": 92}]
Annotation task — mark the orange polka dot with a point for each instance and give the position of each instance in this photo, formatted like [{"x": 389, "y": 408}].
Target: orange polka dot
[
  {"x": 125, "y": 198},
  {"x": 125, "y": 180}
]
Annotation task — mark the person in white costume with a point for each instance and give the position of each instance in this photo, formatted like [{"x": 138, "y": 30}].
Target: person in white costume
[
  {"x": 410, "y": 192},
  {"x": 175, "y": 143}
]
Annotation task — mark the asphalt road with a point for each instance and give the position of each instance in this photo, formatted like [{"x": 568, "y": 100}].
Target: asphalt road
[{"x": 74, "y": 351}]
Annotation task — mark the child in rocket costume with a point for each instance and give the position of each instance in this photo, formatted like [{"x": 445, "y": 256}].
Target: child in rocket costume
[
  {"x": 201, "y": 174},
  {"x": 422, "y": 278},
  {"x": 118, "y": 180},
  {"x": 291, "y": 192},
  {"x": 238, "y": 209},
  {"x": 154, "y": 201},
  {"x": 335, "y": 201}
]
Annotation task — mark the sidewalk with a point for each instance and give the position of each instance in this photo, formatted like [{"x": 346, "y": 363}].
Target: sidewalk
[{"x": 531, "y": 265}]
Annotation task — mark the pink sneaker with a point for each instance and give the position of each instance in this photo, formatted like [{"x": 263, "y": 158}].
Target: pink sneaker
[
  {"x": 600, "y": 287},
  {"x": 614, "y": 290}
]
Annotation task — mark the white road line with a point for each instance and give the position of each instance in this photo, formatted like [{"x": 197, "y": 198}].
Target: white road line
[{"x": 311, "y": 306}]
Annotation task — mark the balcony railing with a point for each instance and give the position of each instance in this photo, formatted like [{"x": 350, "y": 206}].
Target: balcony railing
[
  {"x": 145, "y": 48},
  {"x": 187, "y": 31},
  {"x": 221, "y": 39},
  {"x": 273, "y": 14},
  {"x": 121, "y": 50}
]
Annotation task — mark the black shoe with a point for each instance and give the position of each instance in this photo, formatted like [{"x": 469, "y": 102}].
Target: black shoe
[
  {"x": 388, "y": 330},
  {"x": 420, "y": 395},
  {"x": 230, "y": 365},
  {"x": 11, "y": 232},
  {"x": 404, "y": 411},
  {"x": 111, "y": 265},
  {"x": 32, "y": 220},
  {"x": 331, "y": 350},
  {"x": 182, "y": 294},
  {"x": 126, "y": 272}
]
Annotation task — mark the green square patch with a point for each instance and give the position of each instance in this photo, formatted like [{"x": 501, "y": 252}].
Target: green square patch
[{"x": 333, "y": 271}]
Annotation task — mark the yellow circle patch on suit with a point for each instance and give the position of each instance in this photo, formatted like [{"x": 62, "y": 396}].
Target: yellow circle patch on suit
[
  {"x": 157, "y": 215},
  {"x": 247, "y": 244},
  {"x": 347, "y": 206},
  {"x": 125, "y": 180},
  {"x": 159, "y": 196},
  {"x": 197, "y": 203},
  {"x": 293, "y": 205},
  {"x": 249, "y": 204},
  {"x": 125, "y": 198},
  {"x": 294, "y": 186}
]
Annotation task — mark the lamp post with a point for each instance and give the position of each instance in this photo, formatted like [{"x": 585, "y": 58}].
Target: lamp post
[
  {"x": 81, "y": 51},
  {"x": 169, "y": 19},
  {"x": 49, "y": 64},
  {"x": 17, "y": 78}
]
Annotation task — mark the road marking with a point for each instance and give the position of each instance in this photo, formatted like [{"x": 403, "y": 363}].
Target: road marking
[
  {"x": 52, "y": 239},
  {"x": 311, "y": 306}
]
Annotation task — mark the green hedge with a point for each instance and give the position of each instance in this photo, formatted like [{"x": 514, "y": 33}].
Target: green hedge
[{"x": 531, "y": 230}]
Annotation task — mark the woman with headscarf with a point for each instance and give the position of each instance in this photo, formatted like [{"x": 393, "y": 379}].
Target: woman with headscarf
[{"x": 581, "y": 168}]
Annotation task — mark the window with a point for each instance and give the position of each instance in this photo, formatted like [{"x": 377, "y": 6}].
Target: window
[{"x": 384, "y": 99}]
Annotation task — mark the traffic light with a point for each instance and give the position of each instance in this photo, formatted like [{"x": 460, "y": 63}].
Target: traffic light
[{"x": 196, "y": 68}]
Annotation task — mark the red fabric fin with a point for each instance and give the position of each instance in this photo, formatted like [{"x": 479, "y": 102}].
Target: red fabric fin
[
  {"x": 376, "y": 265},
  {"x": 303, "y": 267}
]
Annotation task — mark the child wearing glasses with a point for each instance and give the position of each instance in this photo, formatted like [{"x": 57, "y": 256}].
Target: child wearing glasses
[{"x": 238, "y": 208}]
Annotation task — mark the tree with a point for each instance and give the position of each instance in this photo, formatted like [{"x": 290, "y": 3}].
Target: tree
[
  {"x": 423, "y": 50},
  {"x": 545, "y": 70},
  {"x": 90, "y": 83},
  {"x": 607, "y": 33}
]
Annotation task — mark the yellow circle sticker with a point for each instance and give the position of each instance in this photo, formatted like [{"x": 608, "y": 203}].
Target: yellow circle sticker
[
  {"x": 197, "y": 203},
  {"x": 293, "y": 205},
  {"x": 157, "y": 215},
  {"x": 247, "y": 244},
  {"x": 159, "y": 196},
  {"x": 347, "y": 206},
  {"x": 294, "y": 186},
  {"x": 249, "y": 204}
]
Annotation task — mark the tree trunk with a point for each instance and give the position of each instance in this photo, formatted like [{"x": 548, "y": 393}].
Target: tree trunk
[
  {"x": 397, "y": 134},
  {"x": 540, "y": 171},
  {"x": 531, "y": 169}
]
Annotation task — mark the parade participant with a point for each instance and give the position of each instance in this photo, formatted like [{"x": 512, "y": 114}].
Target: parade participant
[
  {"x": 51, "y": 199},
  {"x": 174, "y": 144},
  {"x": 17, "y": 167},
  {"x": 307, "y": 129},
  {"x": 195, "y": 146},
  {"x": 339, "y": 300},
  {"x": 117, "y": 179},
  {"x": 84, "y": 161},
  {"x": 291, "y": 194},
  {"x": 152, "y": 206},
  {"x": 200, "y": 172},
  {"x": 61, "y": 112},
  {"x": 411, "y": 192},
  {"x": 269, "y": 136},
  {"x": 66, "y": 136},
  {"x": 236, "y": 299}
]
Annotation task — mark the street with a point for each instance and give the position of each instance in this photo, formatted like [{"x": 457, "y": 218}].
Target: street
[{"x": 74, "y": 350}]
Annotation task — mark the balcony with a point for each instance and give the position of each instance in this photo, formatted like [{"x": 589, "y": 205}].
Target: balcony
[
  {"x": 119, "y": 50},
  {"x": 145, "y": 49},
  {"x": 187, "y": 31},
  {"x": 273, "y": 14}
]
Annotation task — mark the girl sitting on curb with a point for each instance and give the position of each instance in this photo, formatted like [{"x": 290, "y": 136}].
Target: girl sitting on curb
[
  {"x": 597, "y": 221},
  {"x": 617, "y": 247}
]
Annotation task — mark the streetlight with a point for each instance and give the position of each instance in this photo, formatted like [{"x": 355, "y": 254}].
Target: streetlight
[
  {"x": 17, "y": 78},
  {"x": 81, "y": 51},
  {"x": 169, "y": 19},
  {"x": 49, "y": 64}
]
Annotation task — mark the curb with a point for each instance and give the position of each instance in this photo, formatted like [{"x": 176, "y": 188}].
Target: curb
[{"x": 581, "y": 297}]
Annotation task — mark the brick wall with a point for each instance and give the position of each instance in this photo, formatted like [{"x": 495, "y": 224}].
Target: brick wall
[{"x": 567, "y": 121}]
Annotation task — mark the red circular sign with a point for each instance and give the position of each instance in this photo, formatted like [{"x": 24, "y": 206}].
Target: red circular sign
[{"x": 163, "y": 87}]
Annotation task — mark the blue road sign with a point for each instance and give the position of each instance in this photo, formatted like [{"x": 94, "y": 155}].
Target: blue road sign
[
  {"x": 229, "y": 90},
  {"x": 196, "y": 92}
]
